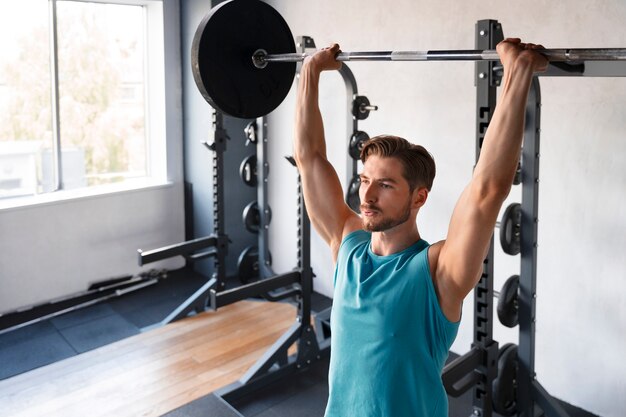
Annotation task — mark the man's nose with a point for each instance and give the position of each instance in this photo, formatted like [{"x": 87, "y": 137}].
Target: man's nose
[{"x": 368, "y": 193}]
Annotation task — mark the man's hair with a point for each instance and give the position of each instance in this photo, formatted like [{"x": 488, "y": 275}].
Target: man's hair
[{"x": 419, "y": 165}]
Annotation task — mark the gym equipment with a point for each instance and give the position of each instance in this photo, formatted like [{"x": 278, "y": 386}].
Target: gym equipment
[
  {"x": 352, "y": 196},
  {"x": 505, "y": 385},
  {"x": 261, "y": 57},
  {"x": 361, "y": 107},
  {"x": 517, "y": 179},
  {"x": 357, "y": 141},
  {"x": 507, "y": 309},
  {"x": 237, "y": 43},
  {"x": 221, "y": 61},
  {"x": 247, "y": 171},
  {"x": 248, "y": 264},
  {"x": 250, "y": 132},
  {"x": 510, "y": 229},
  {"x": 96, "y": 293},
  {"x": 252, "y": 217}
]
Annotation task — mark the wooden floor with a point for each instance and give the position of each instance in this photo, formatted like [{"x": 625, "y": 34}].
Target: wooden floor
[{"x": 154, "y": 372}]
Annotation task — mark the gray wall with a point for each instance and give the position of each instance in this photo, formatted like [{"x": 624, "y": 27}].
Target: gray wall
[
  {"x": 581, "y": 329},
  {"x": 54, "y": 249}
]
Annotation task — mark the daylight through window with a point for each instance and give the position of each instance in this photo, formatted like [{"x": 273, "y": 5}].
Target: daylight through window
[{"x": 73, "y": 95}]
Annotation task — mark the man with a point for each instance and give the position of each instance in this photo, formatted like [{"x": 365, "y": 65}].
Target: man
[{"x": 397, "y": 300}]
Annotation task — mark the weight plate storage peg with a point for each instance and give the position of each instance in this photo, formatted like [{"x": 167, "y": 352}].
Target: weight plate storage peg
[
  {"x": 504, "y": 387},
  {"x": 247, "y": 171},
  {"x": 510, "y": 229},
  {"x": 508, "y": 310},
  {"x": 221, "y": 58},
  {"x": 357, "y": 141}
]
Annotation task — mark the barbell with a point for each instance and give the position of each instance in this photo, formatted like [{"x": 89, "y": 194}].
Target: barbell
[{"x": 243, "y": 57}]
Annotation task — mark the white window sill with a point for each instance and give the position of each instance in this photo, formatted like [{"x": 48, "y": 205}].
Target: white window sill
[{"x": 68, "y": 196}]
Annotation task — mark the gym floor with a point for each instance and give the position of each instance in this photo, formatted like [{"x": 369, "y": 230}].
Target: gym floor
[{"x": 55, "y": 339}]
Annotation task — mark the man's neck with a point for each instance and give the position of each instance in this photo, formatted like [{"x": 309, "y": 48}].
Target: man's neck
[{"x": 396, "y": 239}]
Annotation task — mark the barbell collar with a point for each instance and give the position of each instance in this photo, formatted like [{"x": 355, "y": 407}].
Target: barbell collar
[{"x": 261, "y": 58}]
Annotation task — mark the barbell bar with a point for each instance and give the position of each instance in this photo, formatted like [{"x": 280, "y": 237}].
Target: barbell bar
[
  {"x": 237, "y": 39},
  {"x": 261, "y": 58}
]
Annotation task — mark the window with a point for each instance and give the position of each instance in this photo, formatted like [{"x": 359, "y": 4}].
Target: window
[{"x": 75, "y": 95}]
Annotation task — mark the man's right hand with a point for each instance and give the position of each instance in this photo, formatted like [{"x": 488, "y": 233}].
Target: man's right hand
[
  {"x": 323, "y": 60},
  {"x": 513, "y": 52}
]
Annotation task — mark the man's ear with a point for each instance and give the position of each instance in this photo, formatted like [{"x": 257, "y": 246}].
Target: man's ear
[{"x": 420, "y": 195}]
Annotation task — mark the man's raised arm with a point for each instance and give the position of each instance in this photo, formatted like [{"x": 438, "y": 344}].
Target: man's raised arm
[
  {"x": 322, "y": 190},
  {"x": 458, "y": 260}
]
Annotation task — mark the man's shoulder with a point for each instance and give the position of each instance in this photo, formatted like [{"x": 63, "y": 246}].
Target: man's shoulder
[{"x": 433, "y": 255}]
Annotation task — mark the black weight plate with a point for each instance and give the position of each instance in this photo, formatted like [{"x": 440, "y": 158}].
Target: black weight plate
[
  {"x": 221, "y": 58},
  {"x": 358, "y": 104},
  {"x": 357, "y": 141},
  {"x": 248, "y": 264},
  {"x": 252, "y": 217},
  {"x": 247, "y": 171},
  {"x": 352, "y": 196},
  {"x": 510, "y": 229},
  {"x": 504, "y": 386},
  {"x": 517, "y": 179},
  {"x": 508, "y": 311}
]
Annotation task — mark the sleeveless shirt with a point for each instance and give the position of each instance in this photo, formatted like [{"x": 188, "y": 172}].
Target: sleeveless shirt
[{"x": 390, "y": 339}]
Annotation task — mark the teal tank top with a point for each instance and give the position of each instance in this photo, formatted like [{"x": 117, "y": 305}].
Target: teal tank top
[{"x": 390, "y": 339}]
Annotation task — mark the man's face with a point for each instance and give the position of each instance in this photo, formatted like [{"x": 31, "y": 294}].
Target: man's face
[{"x": 384, "y": 193}]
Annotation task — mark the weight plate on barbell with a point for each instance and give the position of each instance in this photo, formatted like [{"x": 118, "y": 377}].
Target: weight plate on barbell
[
  {"x": 510, "y": 229},
  {"x": 221, "y": 58}
]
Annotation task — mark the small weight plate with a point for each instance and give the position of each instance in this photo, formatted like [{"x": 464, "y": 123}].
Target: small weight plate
[
  {"x": 517, "y": 179},
  {"x": 352, "y": 196},
  {"x": 508, "y": 311},
  {"x": 510, "y": 229},
  {"x": 247, "y": 171},
  {"x": 248, "y": 265},
  {"x": 503, "y": 386},
  {"x": 357, "y": 141},
  {"x": 252, "y": 217},
  {"x": 221, "y": 58},
  {"x": 358, "y": 105}
]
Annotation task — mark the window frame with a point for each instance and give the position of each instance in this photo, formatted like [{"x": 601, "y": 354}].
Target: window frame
[{"x": 154, "y": 114}]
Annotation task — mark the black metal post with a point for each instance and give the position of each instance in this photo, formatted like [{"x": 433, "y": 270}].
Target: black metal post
[
  {"x": 488, "y": 34},
  {"x": 265, "y": 264},
  {"x": 219, "y": 147},
  {"x": 528, "y": 262}
]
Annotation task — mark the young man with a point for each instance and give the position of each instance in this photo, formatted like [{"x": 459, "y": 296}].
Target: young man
[{"x": 397, "y": 300}]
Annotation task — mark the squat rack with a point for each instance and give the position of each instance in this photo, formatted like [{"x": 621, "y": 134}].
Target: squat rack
[{"x": 478, "y": 368}]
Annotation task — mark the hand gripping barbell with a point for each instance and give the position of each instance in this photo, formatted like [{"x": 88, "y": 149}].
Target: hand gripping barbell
[{"x": 244, "y": 58}]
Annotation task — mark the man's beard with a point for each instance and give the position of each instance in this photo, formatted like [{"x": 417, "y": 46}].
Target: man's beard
[{"x": 385, "y": 223}]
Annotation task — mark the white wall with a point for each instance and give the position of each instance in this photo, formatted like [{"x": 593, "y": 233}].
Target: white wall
[
  {"x": 581, "y": 329},
  {"x": 57, "y": 248}
]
